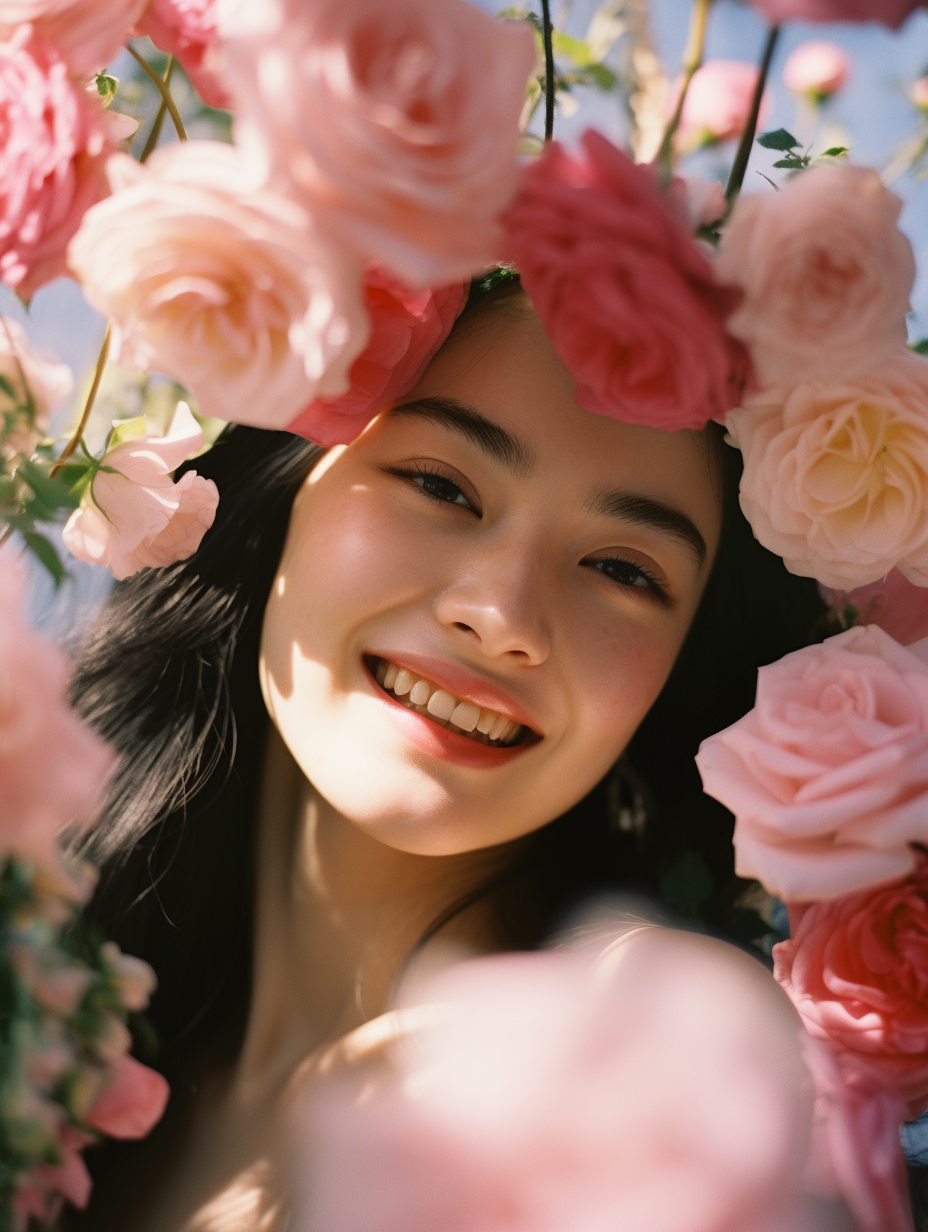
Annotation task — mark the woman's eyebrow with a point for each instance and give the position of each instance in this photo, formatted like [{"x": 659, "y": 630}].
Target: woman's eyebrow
[
  {"x": 468, "y": 422},
  {"x": 645, "y": 511}
]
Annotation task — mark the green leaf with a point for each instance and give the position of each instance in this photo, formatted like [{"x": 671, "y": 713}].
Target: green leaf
[
  {"x": 106, "y": 88},
  {"x": 600, "y": 76},
  {"x": 51, "y": 492},
  {"x": 920, "y": 347},
  {"x": 126, "y": 430},
  {"x": 9, "y": 389},
  {"x": 779, "y": 139},
  {"x": 836, "y": 151},
  {"x": 573, "y": 48},
  {"x": 45, "y": 552},
  {"x": 687, "y": 885}
]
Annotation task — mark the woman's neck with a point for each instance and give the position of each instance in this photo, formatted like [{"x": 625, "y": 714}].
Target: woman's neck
[{"x": 337, "y": 915}]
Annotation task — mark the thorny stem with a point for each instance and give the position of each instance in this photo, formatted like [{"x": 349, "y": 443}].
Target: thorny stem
[
  {"x": 159, "y": 118},
  {"x": 692, "y": 59},
  {"x": 162, "y": 89},
  {"x": 88, "y": 405},
  {"x": 740, "y": 165},
  {"x": 548, "y": 39}
]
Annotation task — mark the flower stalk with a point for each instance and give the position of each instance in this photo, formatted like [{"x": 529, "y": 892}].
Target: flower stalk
[
  {"x": 155, "y": 133},
  {"x": 692, "y": 59},
  {"x": 161, "y": 87},
  {"x": 548, "y": 39},
  {"x": 88, "y": 405},
  {"x": 740, "y": 165}
]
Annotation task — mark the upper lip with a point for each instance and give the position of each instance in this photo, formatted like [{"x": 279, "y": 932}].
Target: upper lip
[{"x": 461, "y": 683}]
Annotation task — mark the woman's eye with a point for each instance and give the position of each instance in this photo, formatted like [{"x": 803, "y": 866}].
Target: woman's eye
[
  {"x": 436, "y": 486},
  {"x": 626, "y": 573}
]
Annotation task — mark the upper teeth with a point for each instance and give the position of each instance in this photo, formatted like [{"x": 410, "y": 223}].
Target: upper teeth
[{"x": 444, "y": 706}]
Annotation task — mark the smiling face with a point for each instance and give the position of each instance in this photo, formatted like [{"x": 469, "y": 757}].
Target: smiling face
[{"x": 481, "y": 597}]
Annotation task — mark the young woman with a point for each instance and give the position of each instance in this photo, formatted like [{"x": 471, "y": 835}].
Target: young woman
[{"x": 444, "y": 682}]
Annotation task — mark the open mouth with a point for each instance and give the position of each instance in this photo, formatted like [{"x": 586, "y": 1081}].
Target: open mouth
[{"x": 477, "y": 723}]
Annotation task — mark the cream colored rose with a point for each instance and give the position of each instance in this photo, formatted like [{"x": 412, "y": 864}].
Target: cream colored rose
[
  {"x": 225, "y": 287},
  {"x": 836, "y": 473},
  {"x": 826, "y": 274}
]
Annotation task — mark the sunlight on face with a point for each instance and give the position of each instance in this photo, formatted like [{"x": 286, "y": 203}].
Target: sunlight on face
[{"x": 533, "y": 568}]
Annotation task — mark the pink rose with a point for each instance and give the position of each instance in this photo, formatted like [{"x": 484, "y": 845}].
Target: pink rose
[
  {"x": 131, "y": 1103},
  {"x": 407, "y": 328},
  {"x": 53, "y": 769},
  {"x": 816, "y": 69},
  {"x": 894, "y": 603},
  {"x": 230, "y": 289},
  {"x": 397, "y": 118},
  {"x": 87, "y": 34},
  {"x": 698, "y": 202},
  {"x": 30, "y": 372},
  {"x": 890, "y": 12},
  {"x": 717, "y": 103},
  {"x": 828, "y": 775},
  {"x": 857, "y": 971},
  {"x": 135, "y": 516},
  {"x": 826, "y": 274},
  {"x": 630, "y": 305},
  {"x": 186, "y": 29},
  {"x": 836, "y": 472},
  {"x": 53, "y": 146}
]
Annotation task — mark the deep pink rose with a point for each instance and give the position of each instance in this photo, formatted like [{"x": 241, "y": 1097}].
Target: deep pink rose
[
  {"x": 399, "y": 119},
  {"x": 828, "y": 775},
  {"x": 890, "y": 12},
  {"x": 53, "y": 147},
  {"x": 407, "y": 328},
  {"x": 717, "y": 103},
  {"x": 816, "y": 69},
  {"x": 894, "y": 603},
  {"x": 186, "y": 29},
  {"x": 132, "y": 1101},
  {"x": 87, "y": 34},
  {"x": 857, "y": 971},
  {"x": 630, "y": 304}
]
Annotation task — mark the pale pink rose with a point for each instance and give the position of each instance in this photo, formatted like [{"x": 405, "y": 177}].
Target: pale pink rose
[
  {"x": 134, "y": 515},
  {"x": 660, "y": 1088},
  {"x": 697, "y": 201},
  {"x": 894, "y": 603},
  {"x": 828, "y": 775},
  {"x": 631, "y": 306},
  {"x": 135, "y": 978},
  {"x": 186, "y": 29},
  {"x": 856, "y": 971},
  {"x": 717, "y": 103},
  {"x": 131, "y": 1103},
  {"x": 890, "y": 12},
  {"x": 816, "y": 69},
  {"x": 836, "y": 473},
  {"x": 32, "y": 373},
  {"x": 407, "y": 328},
  {"x": 825, "y": 270},
  {"x": 70, "y": 1178},
  {"x": 399, "y": 119},
  {"x": 230, "y": 290},
  {"x": 856, "y": 1151},
  {"x": 87, "y": 34},
  {"x": 53, "y": 769},
  {"x": 53, "y": 147}
]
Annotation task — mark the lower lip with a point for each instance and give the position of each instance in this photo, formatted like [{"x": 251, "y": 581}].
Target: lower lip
[{"x": 438, "y": 741}]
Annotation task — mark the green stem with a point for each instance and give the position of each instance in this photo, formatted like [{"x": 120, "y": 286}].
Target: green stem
[
  {"x": 159, "y": 118},
  {"x": 78, "y": 433},
  {"x": 162, "y": 90},
  {"x": 692, "y": 59},
  {"x": 548, "y": 39},
  {"x": 740, "y": 165}
]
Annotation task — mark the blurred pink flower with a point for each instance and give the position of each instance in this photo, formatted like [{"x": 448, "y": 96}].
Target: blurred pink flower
[
  {"x": 816, "y": 69},
  {"x": 828, "y": 775},
  {"x": 717, "y": 103},
  {"x": 134, "y": 515},
  {"x": 135, "y": 978},
  {"x": 630, "y": 304},
  {"x": 87, "y": 34},
  {"x": 697, "y": 201},
  {"x": 826, "y": 274},
  {"x": 69, "y": 1178},
  {"x": 399, "y": 119},
  {"x": 28, "y": 370},
  {"x": 407, "y": 328},
  {"x": 890, "y": 12},
  {"x": 131, "y": 1103},
  {"x": 231, "y": 290},
  {"x": 186, "y": 29},
  {"x": 919, "y": 94},
  {"x": 659, "y": 1088},
  {"x": 53, "y": 147},
  {"x": 857, "y": 971},
  {"x": 894, "y": 603},
  {"x": 39, "y": 795}
]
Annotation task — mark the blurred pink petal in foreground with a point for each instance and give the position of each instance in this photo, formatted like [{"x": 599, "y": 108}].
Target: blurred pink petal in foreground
[
  {"x": 186, "y": 29},
  {"x": 890, "y": 12},
  {"x": 87, "y": 34},
  {"x": 897, "y": 605},
  {"x": 717, "y": 103},
  {"x": 816, "y": 69},
  {"x": 134, "y": 515},
  {"x": 655, "y": 1084},
  {"x": 131, "y": 1102}
]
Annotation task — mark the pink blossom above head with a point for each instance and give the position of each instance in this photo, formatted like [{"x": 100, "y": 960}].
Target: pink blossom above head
[
  {"x": 827, "y": 776},
  {"x": 817, "y": 69},
  {"x": 717, "y": 103},
  {"x": 53, "y": 147},
  {"x": 826, "y": 274},
  {"x": 131, "y": 1103},
  {"x": 630, "y": 305},
  {"x": 894, "y": 603},
  {"x": 134, "y": 515},
  {"x": 186, "y": 29},
  {"x": 399, "y": 119},
  {"x": 407, "y": 328},
  {"x": 891, "y": 13},
  {"x": 87, "y": 34}
]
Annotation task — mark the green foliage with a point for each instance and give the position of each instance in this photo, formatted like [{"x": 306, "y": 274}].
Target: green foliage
[
  {"x": 106, "y": 88},
  {"x": 779, "y": 139},
  {"x": 687, "y": 884},
  {"x": 920, "y": 347}
]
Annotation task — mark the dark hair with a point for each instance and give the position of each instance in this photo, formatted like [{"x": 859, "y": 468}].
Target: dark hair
[{"x": 169, "y": 676}]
